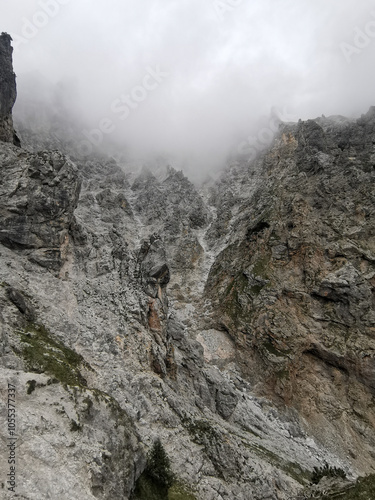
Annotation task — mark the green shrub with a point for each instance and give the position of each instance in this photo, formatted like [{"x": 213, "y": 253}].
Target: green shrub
[
  {"x": 362, "y": 489},
  {"x": 327, "y": 471},
  {"x": 31, "y": 386},
  {"x": 74, "y": 426},
  {"x": 45, "y": 354}
]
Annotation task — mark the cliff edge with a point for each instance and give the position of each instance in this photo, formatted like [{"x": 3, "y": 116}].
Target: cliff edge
[{"x": 8, "y": 92}]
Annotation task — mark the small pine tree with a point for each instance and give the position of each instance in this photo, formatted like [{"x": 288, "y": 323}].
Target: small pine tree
[{"x": 159, "y": 466}]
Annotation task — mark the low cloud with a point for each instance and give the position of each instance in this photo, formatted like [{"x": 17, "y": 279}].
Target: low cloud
[{"x": 226, "y": 65}]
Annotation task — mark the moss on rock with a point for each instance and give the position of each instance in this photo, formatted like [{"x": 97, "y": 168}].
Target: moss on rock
[
  {"x": 362, "y": 489},
  {"x": 43, "y": 354}
]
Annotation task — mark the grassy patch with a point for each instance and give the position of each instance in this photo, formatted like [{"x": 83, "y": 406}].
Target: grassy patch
[
  {"x": 241, "y": 292},
  {"x": 180, "y": 492},
  {"x": 43, "y": 354},
  {"x": 282, "y": 374},
  {"x": 120, "y": 415},
  {"x": 201, "y": 431},
  {"x": 256, "y": 289},
  {"x": 292, "y": 469},
  {"x": 362, "y": 489},
  {"x": 273, "y": 350},
  {"x": 147, "y": 489},
  {"x": 233, "y": 305},
  {"x": 261, "y": 267}
]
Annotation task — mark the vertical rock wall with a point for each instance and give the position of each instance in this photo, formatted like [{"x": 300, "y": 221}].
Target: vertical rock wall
[{"x": 8, "y": 92}]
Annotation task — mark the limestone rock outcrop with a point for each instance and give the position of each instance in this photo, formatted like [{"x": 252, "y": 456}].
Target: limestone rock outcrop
[
  {"x": 232, "y": 324},
  {"x": 8, "y": 91},
  {"x": 38, "y": 195},
  {"x": 295, "y": 288}
]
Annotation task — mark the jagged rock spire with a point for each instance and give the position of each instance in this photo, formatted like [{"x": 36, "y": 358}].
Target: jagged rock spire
[{"x": 8, "y": 92}]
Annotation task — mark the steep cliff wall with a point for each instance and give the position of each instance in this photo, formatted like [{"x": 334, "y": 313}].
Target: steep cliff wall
[
  {"x": 295, "y": 288},
  {"x": 233, "y": 323},
  {"x": 8, "y": 91}
]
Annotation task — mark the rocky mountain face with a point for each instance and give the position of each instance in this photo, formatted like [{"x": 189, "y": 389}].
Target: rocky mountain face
[
  {"x": 295, "y": 287},
  {"x": 169, "y": 341},
  {"x": 8, "y": 91}
]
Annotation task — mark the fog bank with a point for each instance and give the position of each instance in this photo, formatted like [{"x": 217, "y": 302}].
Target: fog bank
[{"x": 191, "y": 79}]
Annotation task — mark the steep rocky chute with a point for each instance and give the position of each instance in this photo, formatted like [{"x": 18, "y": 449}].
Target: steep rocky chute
[{"x": 226, "y": 330}]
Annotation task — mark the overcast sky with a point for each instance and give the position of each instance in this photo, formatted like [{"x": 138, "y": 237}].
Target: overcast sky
[{"x": 194, "y": 76}]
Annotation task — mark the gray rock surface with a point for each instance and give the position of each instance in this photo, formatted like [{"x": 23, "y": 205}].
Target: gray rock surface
[
  {"x": 8, "y": 91},
  {"x": 234, "y": 322},
  {"x": 295, "y": 287},
  {"x": 38, "y": 195}
]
